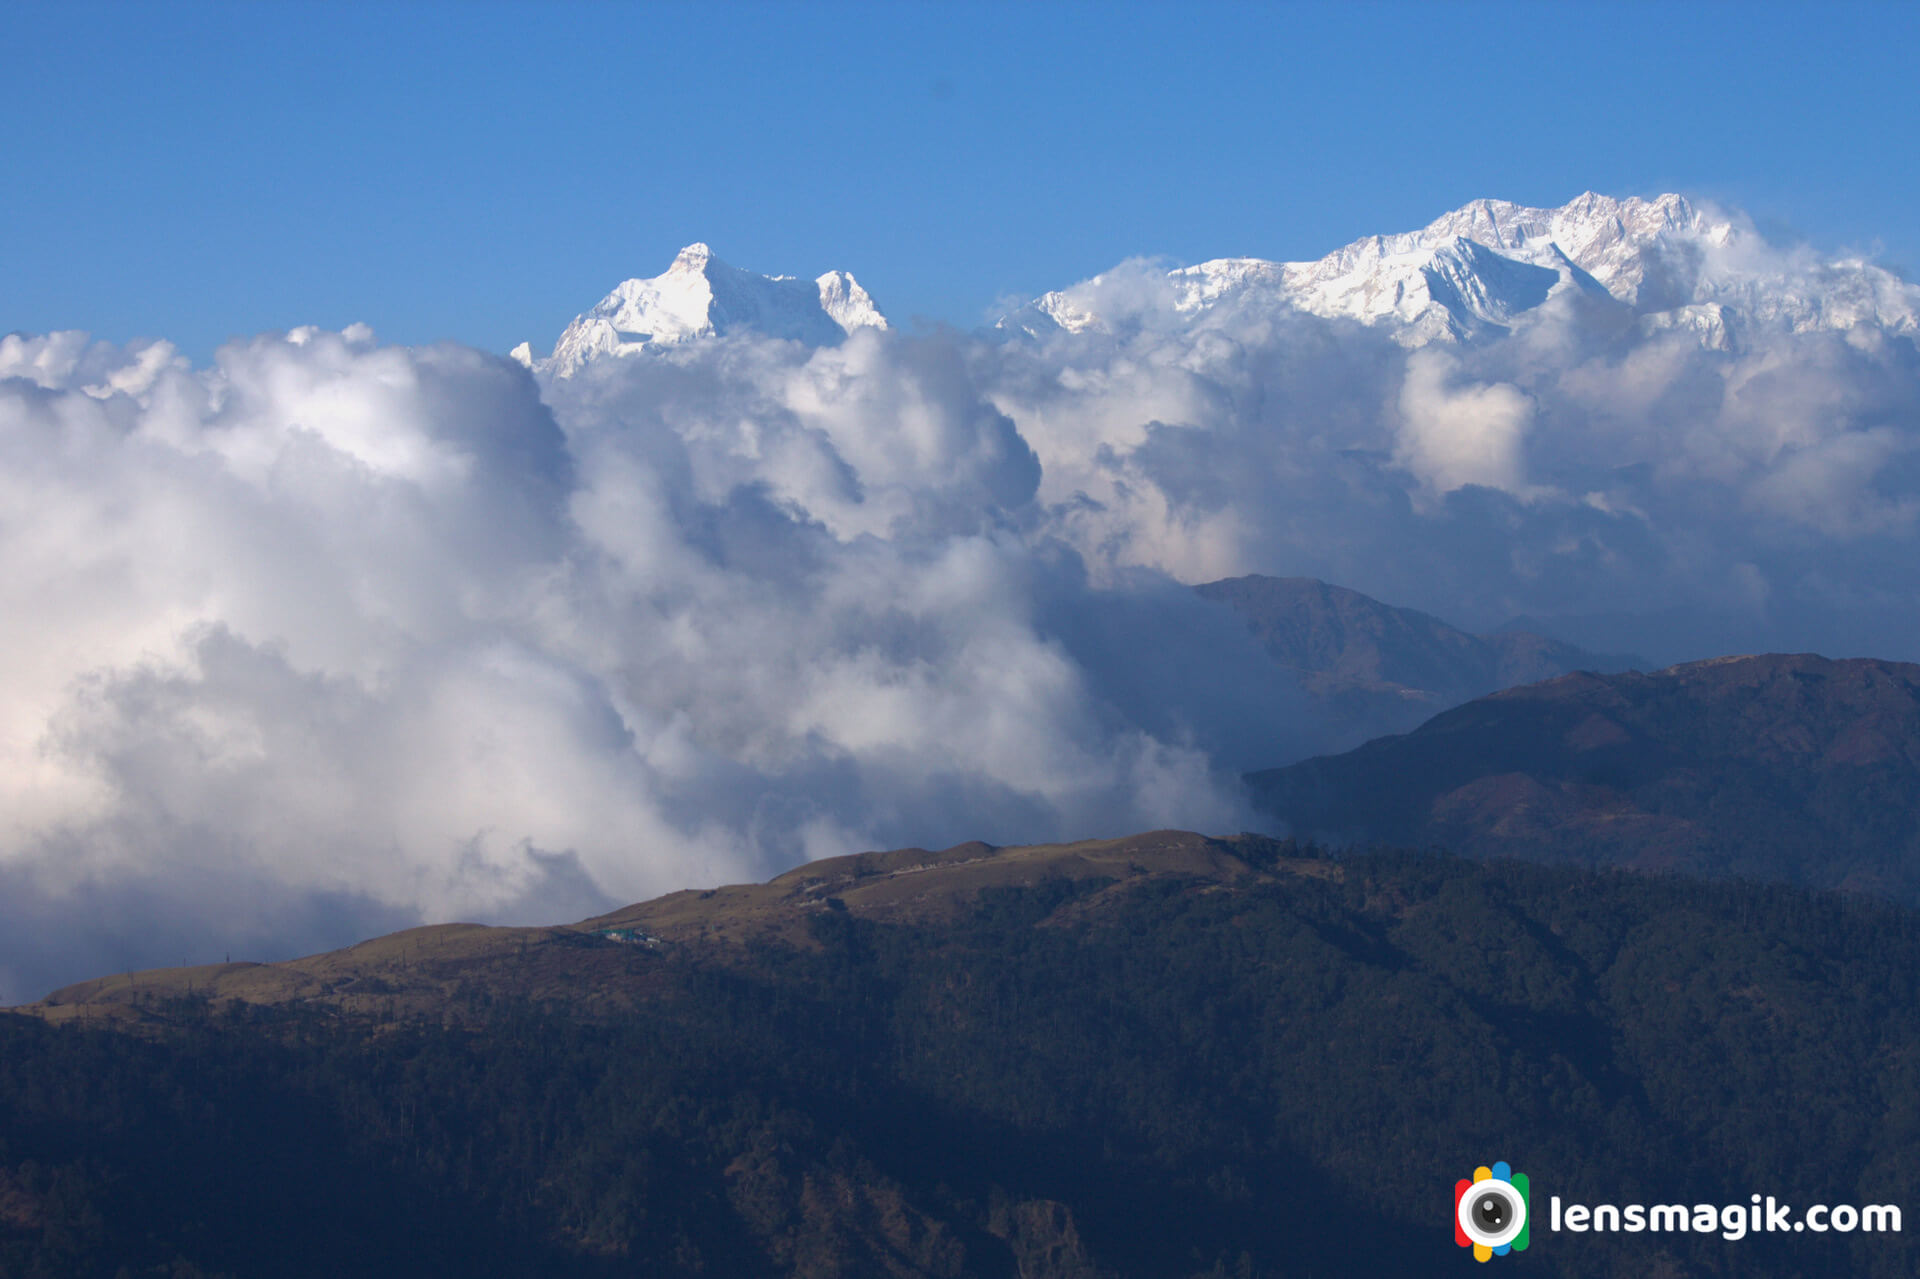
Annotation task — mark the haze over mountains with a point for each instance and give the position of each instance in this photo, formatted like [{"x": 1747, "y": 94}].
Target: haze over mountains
[
  {"x": 1374, "y": 669},
  {"x": 331, "y": 636}
]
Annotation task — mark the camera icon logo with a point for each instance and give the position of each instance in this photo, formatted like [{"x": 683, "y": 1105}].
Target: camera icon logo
[{"x": 1490, "y": 1212}]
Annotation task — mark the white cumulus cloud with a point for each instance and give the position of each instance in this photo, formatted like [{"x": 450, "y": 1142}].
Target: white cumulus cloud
[{"x": 330, "y": 636}]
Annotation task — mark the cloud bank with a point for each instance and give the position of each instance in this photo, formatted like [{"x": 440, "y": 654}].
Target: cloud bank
[{"x": 331, "y": 636}]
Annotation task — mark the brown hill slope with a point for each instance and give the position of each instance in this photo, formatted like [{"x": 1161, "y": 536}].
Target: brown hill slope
[
  {"x": 424, "y": 971},
  {"x": 1794, "y": 768}
]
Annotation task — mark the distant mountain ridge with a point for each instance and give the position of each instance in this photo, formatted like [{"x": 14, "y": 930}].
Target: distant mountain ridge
[
  {"x": 1662, "y": 264},
  {"x": 420, "y": 970},
  {"x": 1780, "y": 767},
  {"x": 701, "y": 296},
  {"x": 1379, "y": 669}
]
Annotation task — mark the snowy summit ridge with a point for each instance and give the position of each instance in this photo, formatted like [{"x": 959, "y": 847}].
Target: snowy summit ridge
[
  {"x": 1481, "y": 270},
  {"x": 701, "y": 296}
]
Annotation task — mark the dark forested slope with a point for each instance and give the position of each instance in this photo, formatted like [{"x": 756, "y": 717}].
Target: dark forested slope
[
  {"x": 1162, "y": 1057},
  {"x": 1794, "y": 768}
]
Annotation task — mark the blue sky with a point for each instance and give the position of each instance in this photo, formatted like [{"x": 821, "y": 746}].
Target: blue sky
[{"x": 482, "y": 172}]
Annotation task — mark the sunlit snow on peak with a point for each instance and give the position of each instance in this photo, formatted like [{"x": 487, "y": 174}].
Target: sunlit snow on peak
[
  {"x": 701, "y": 296},
  {"x": 1664, "y": 264}
]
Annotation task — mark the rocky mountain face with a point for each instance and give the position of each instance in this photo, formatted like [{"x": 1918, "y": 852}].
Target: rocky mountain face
[
  {"x": 1792, "y": 768},
  {"x": 701, "y": 296},
  {"x": 1485, "y": 269},
  {"x": 1375, "y": 669}
]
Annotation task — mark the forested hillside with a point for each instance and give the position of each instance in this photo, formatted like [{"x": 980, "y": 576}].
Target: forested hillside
[
  {"x": 1276, "y": 1071},
  {"x": 1786, "y": 767}
]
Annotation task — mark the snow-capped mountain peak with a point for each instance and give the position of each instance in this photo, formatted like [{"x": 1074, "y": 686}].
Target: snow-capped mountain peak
[
  {"x": 692, "y": 258},
  {"x": 847, "y": 304},
  {"x": 1486, "y": 268},
  {"x": 701, "y": 296}
]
